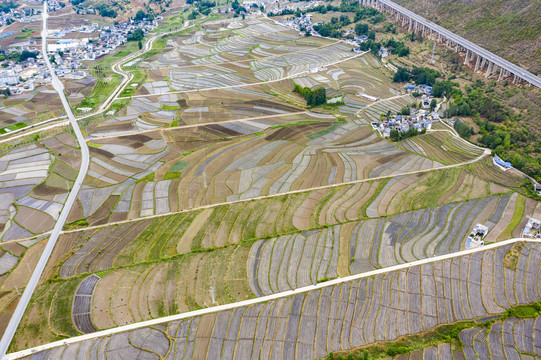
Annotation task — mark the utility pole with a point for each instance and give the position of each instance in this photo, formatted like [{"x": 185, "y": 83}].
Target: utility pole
[{"x": 433, "y": 49}]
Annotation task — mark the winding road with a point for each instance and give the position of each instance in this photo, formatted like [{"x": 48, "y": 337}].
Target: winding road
[{"x": 31, "y": 286}]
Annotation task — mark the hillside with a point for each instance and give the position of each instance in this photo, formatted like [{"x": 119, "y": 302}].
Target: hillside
[{"x": 509, "y": 28}]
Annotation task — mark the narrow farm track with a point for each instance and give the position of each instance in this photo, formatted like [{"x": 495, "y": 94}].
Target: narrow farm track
[{"x": 339, "y": 314}]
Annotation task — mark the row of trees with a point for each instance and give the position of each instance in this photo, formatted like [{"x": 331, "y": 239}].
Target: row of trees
[
  {"x": 418, "y": 75},
  {"x": 313, "y": 98},
  {"x": 396, "y": 135}
]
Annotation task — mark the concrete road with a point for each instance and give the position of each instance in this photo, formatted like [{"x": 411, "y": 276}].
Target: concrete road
[
  {"x": 262, "y": 299},
  {"x": 31, "y": 286}
]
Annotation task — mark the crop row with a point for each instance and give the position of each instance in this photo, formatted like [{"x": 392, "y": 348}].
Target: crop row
[
  {"x": 339, "y": 317},
  {"x": 165, "y": 236}
]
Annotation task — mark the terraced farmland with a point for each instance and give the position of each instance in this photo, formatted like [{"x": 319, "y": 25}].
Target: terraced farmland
[
  {"x": 130, "y": 176},
  {"x": 513, "y": 338},
  {"x": 340, "y": 317},
  {"x": 213, "y": 183},
  {"x": 142, "y": 279},
  {"x": 441, "y": 146},
  {"x": 34, "y": 180}
]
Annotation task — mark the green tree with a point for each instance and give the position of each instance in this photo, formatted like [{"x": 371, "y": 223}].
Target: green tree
[{"x": 433, "y": 104}]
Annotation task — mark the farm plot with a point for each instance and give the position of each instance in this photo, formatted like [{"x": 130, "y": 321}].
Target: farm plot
[
  {"x": 301, "y": 259},
  {"x": 231, "y": 41},
  {"x": 374, "y": 110},
  {"x": 34, "y": 180},
  {"x": 441, "y": 146},
  {"x": 513, "y": 338},
  {"x": 256, "y": 165},
  {"x": 339, "y": 317},
  {"x": 24, "y": 109},
  {"x": 231, "y": 161},
  {"x": 139, "y": 253},
  {"x": 151, "y": 240},
  {"x": 126, "y": 295},
  {"x": 229, "y": 62},
  {"x": 171, "y": 110}
]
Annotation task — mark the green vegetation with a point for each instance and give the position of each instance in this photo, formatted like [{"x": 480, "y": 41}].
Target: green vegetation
[
  {"x": 418, "y": 75},
  {"x": 172, "y": 175},
  {"x": 76, "y": 224},
  {"x": 442, "y": 334},
  {"x": 19, "y": 56},
  {"x": 508, "y": 133},
  {"x": 26, "y": 32},
  {"x": 397, "y": 135},
  {"x": 179, "y": 166},
  {"x": 462, "y": 129},
  {"x": 171, "y": 107},
  {"x": 326, "y": 131},
  {"x": 17, "y": 125},
  {"x": 137, "y": 35},
  {"x": 313, "y": 98},
  {"x": 147, "y": 178},
  {"x": 295, "y": 123}
]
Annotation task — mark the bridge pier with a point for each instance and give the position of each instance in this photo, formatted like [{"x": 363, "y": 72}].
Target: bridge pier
[
  {"x": 489, "y": 69},
  {"x": 477, "y": 63},
  {"x": 466, "y": 57}
]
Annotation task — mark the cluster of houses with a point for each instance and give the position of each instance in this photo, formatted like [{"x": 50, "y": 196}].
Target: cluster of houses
[
  {"x": 532, "y": 229},
  {"x": 422, "y": 91},
  {"x": 418, "y": 119},
  {"x": 303, "y": 22},
  {"x": 23, "y": 76},
  {"x": 68, "y": 54},
  {"x": 110, "y": 37}
]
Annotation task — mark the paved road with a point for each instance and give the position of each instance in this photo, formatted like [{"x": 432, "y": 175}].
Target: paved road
[
  {"x": 262, "y": 299},
  {"x": 517, "y": 70},
  {"x": 30, "y": 287}
]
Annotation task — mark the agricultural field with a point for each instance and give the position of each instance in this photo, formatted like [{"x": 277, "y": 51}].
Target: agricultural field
[
  {"x": 338, "y": 317},
  {"x": 162, "y": 171},
  {"x": 29, "y": 107},
  {"x": 34, "y": 182},
  {"x": 211, "y": 182},
  {"x": 145, "y": 260},
  {"x": 512, "y": 338}
]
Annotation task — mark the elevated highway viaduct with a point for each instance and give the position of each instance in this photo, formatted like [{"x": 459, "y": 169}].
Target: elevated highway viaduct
[{"x": 479, "y": 58}]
